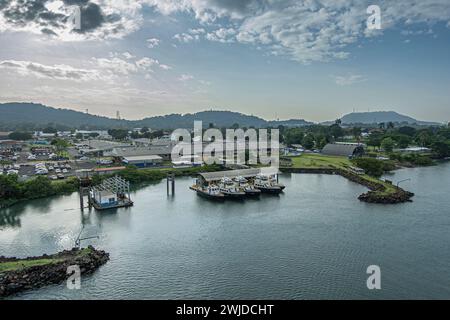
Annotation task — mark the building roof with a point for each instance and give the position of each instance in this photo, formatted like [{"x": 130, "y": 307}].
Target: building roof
[
  {"x": 109, "y": 169},
  {"x": 215, "y": 176},
  {"x": 140, "y": 151},
  {"x": 342, "y": 149},
  {"x": 102, "y": 145},
  {"x": 142, "y": 158}
]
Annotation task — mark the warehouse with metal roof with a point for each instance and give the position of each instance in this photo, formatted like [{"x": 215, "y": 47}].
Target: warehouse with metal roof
[{"x": 343, "y": 149}]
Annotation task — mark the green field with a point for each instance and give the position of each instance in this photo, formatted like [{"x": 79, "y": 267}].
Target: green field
[
  {"x": 318, "y": 161},
  {"x": 312, "y": 161},
  {"x": 23, "y": 264}
]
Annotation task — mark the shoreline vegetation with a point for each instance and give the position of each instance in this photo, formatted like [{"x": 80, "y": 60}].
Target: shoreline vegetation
[
  {"x": 380, "y": 191},
  {"x": 15, "y": 191},
  {"x": 17, "y": 275}
]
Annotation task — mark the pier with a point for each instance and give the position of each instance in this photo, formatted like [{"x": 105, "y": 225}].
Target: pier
[
  {"x": 111, "y": 193},
  {"x": 237, "y": 184}
]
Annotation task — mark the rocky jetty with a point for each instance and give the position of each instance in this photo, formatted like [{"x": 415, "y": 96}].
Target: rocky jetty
[
  {"x": 377, "y": 193},
  {"x": 400, "y": 196},
  {"x": 35, "y": 272}
]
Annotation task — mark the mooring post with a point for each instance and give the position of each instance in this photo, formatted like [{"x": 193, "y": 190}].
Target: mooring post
[
  {"x": 170, "y": 183},
  {"x": 173, "y": 184},
  {"x": 89, "y": 200},
  {"x": 81, "y": 199},
  {"x": 167, "y": 184}
]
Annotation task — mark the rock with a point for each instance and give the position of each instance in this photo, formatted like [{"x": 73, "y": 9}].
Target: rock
[{"x": 12, "y": 282}]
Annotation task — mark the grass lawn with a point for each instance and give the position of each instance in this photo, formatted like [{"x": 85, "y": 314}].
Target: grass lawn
[
  {"x": 22, "y": 264},
  {"x": 312, "y": 161},
  {"x": 318, "y": 161}
]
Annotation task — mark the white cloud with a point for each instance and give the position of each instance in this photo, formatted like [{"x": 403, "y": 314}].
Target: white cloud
[
  {"x": 100, "y": 19},
  {"x": 348, "y": 79},
  {"x": 222, "y": 35},
  {"x": 58, "y": 72},
  {"x": 306, "y": 31},
  {"x": 186, "y": 37},
  {"x": 165, "y": 67},
  {"x": 185, "y": 77},
  {"x": 152, "y": 43}
]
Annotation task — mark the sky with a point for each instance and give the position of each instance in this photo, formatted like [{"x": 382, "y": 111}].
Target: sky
[{"x": 277, "y": 59}]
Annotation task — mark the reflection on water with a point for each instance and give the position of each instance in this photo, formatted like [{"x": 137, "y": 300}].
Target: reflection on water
[{"x": 314, "y": 241}]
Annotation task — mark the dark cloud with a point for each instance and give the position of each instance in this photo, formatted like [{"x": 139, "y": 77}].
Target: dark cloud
[
  {"x": 238, "y": 6},
  {"x": 24, "y": 12}
]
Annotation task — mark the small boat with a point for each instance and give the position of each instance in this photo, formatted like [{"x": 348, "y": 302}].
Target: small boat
[
  {"x": 249, "y": 189},
  {"x": 229, "y": 189},
  {"x": 268, "y": 184},
  {"x": 210, "y": 192}
]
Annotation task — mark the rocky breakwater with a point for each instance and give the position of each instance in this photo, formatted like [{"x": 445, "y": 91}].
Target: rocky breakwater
[
  {"x": 399, "y": 196},
  {"x": 18, "y": 275},
  {"x": 379, "y": 193}
]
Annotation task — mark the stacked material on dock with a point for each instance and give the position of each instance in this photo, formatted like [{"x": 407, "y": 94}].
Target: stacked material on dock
[{"x": 112, "y": 193}]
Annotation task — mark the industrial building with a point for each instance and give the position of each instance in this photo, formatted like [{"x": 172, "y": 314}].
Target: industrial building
[
  {"x": 344, "y": 149},
  {"x": 143, "y": 161}
]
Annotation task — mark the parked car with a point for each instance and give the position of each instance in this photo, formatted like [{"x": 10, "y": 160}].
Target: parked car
[{"x": 53, "y": 177}]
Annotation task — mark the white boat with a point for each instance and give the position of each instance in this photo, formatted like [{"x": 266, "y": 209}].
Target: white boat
[
  {"x": 268, "y": 184},
  {"x": 249, "y": 189},
  {"x": 229, "y": 189}
]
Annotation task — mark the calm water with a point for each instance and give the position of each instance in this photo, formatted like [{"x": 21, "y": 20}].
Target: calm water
[{"x": 314, "y": 241}]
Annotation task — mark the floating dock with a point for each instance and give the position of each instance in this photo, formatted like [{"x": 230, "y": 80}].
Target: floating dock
[
  {"x": 111, "y": 193},
  {"x": 236, "y": 184}
]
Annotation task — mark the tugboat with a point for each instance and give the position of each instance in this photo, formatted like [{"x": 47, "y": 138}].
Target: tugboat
[
  {"x": 249, "y": 189},
  {"x": 229, "y": 189},
  {"x": 268, "y": 184},
  {"x": 210, "y": 192}
]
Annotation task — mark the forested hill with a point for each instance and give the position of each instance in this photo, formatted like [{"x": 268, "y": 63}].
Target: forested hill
[{"x": 28, "y": 116}]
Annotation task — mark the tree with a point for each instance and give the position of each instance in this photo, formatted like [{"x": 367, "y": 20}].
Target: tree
[
  {"x": 388, "y": 144},
  {"x": 21, "y": 136},
  {"x": 356, "y": 131},
  {"x": 338, "y": 122},
  {"x": 118, "y": 134},
  {"x": 308, "y": 142},
  {"x": 144, "y": 130},
  {"x": 336, "y": 131},
  {"x": 409, "y": 131},
  {"x": 372, "y": 167},
  {"x": 403, "y": 141},
  {"x": 293, "y": 136},
  {"x": 49, "y": 130},
  {"x": 60, "y": 144},
  {"x": 375, "y": 140},
  {"x": 441, "y": 148},
  {"x": 390, "y": 125}
]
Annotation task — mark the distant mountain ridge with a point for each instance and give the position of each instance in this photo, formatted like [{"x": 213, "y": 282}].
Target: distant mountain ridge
[
  {"x": 381, "y": 117},
  {"x": 32, "y": 114}
]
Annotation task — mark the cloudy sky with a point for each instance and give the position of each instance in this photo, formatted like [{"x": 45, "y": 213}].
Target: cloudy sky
[{"x": 313, "y": 59}]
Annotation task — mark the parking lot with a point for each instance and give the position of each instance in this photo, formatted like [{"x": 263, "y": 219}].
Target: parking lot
[{"x": 52, "y": 169}]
